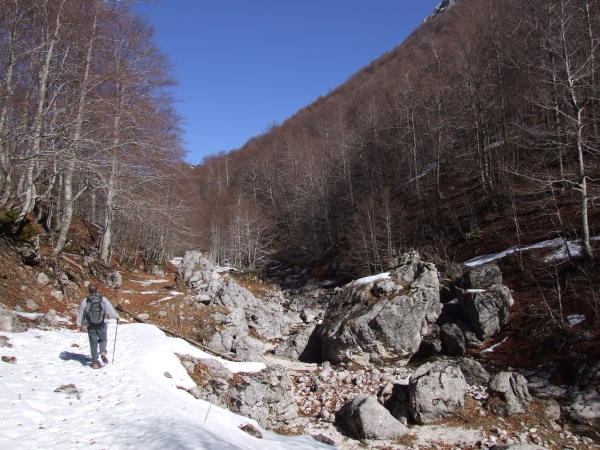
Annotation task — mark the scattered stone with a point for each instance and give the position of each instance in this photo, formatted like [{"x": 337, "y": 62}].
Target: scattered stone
[
  {"x": 144, "y": 316},
  {"x": 31, "y": 305},
  {"x": 308, "y": 315},
  {"x": 251, "y": 430},
  {"x": 43, "y": 279},
  {"x": 366, "y": 418},
  {"x": 162, "y": 313},
  {"x": 9, "y": 321},
  {"x": 473, "y": 372},
  {"x": 9, "y": 359},
  {"x": 436, "y": 390},
  {"x": 168, "y": 375},
  {"x": 154, "y": 269},
  {"x": 4, "y": 342},
  {"x": 586, "y": 407},
  {"x": 57, "y": 294},
  {"x": 323, "y": 439},
  {"x": 518, "y": 447}
]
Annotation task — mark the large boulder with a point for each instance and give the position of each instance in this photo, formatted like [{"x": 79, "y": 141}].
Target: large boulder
[
  {"x": 510, "y": 394},
  {"x": 436, "y": 390},
  {"x": 303, "y": 345},
  {"x": 483, "y": 277},
  {"x": 431, "y": 344},
  {"x": 586, "y": 407},
  {"x": 365, "y": 418},
  {"x": 473, "y": 371},
  {"x": 266, "y": 397},
  {"x": 382, "y": 319},
  {"x": 9, "y": 321},
  {"x": 486, "y": 310},
  {"x": 453, "y": 339}
]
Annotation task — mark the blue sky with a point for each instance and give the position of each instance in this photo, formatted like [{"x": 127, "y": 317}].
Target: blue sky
[{"x": 245, "y": 64}]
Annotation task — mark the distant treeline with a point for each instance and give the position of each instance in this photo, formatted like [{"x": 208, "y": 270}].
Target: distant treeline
[{"x": 488, "y": 111}]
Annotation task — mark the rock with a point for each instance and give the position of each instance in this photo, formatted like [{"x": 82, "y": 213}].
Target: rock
[
  {"x": 436, "y": 390},
  {"x": 308, "y": 315},
  {"x": 154, "y": 269},
  {"x": 143, "y": 316},
  {"x": 303, "y": 345},
  {"x": 323, "y": 439},
  {"x": 162, "y": 313},
  {"x": 206, "y": 394},
  {"x": 453, "y": 339},
  {"x": 365, "y": 418},
  {"x": 518, "y": 447},
  {"x": 43, "y": 279},
  {"x": 214, "y": 368},
  {"x": 69, "y": 389},
  {"x": 249, "y": 349},
  {"x": 431, "y": 344},
  {"x": 168, "y": 375},
  {"x": 486, "y": 311},
  {"x": 9, "y": 321},
  {"x": 4, "y": 342},
  {"x": 58, "y": 295},
  {"x": 114, "y": 279},
  {"x": 50, "y": 319},
  {"x": 268, "y": 320},
  {"x": 552, "y": 409},
  {"x": 31, "y": 305},
  {"x": 311, "y": 285},
  {"x": 365, "y": 329},
  {"x": 512, "y": 395},
  {"x": 473, "y": 372},
  {"x": 205, "y": 299},
  {"x": 483, "y": 277},
  {"x": 9, "y": 359},
  {"x": 586, "y": 407},
  {"x": 472, "y": 341},
  {"x": 266, "y": 397},
  {"x": 251, "y": 430}
]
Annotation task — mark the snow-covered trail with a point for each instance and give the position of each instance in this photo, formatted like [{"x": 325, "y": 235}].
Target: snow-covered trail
[{"x": 130, "y": 404}]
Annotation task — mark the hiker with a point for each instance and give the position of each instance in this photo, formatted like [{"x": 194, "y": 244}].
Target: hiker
[{"x": 93, "y": 310}]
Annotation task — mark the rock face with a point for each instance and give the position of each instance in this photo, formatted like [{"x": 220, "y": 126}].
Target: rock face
[
  {"x": 235, "y": 310},
  {"x": 382, "y": 320},
  {"x": 9, "y": 321},
  {"x": 586, "y": 407},
  {"x": 304, "y": 345},
  {"x": 436, "y": 390},
  {"x": 484, "y": 301},
  {"x": 365, "y": 418},
  {"x": 265, "y": 397},
  {"x": 512, "y": 395}
]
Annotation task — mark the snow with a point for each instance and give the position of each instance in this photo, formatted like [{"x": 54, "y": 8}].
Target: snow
[
  {"x": 176, "y": 261},
  {"x": 491, "y": 349},
  {"x": 559, "y": 254},
  {"x": 130, "y": 404},
  {"x": 475, "y": 291},
  {"x": 164, "y": 299},
  {"x": 149, "y": 282},
  {"x": 221, "y": 269},
  {"x": 149, "y": 292},
  {"x": 575, "y": 319},
  {"x": 379, "y": 276},
  {"x": 30, "y": 316}
]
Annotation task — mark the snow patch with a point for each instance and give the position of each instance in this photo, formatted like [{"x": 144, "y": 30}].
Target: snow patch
[
  {"x": 575, "y": 319},
  {"x": 149, "y": 282},
  {"x": 379, "y": 276},
  {"x": 491, "y": 349}
]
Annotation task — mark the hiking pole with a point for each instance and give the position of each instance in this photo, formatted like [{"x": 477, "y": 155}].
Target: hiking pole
[{"x": 115, "y": 346}]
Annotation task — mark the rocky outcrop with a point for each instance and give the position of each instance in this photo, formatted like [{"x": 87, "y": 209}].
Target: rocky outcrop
[
  {"x": 378, "y": 320},
  {"x": 9, "y": 321},
  {"x": 586, "y": 407},
  {"x": 510, "y": 393},
  {"x": 365, "y": 418},
  {"x": 303, "y": 345},
  {"x": 436, "y": 390},
  {"x": 266, "y": 397},
  {"x": 453, "y": 339}
]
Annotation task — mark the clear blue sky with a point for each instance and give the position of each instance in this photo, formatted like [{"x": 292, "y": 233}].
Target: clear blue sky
[{"x": 245, "y": 64}]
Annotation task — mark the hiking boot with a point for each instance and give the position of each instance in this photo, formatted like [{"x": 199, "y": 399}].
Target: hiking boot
[
  {"x": 95, "y": 366},
  {"x": 104, "y": 358}
]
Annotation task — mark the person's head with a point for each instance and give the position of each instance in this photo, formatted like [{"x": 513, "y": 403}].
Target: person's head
[{"x": 93, "y": 288}]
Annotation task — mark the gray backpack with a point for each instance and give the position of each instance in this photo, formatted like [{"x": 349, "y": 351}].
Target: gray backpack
[{"x": 95, "y": 310}]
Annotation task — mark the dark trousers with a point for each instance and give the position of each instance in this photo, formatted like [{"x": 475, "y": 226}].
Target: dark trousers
[{"x": 97, "y": 335}]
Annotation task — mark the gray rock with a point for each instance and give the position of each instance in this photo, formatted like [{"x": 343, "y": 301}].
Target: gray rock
[
  {"x": 206, "y": 393},
  {"x": 251, "y": 430},
  {"x": 552, "y": 409},
  {"x": 161, "y": 314},
  {"x": 436, "y": 390},
  {"x": 43, "y": 279},
  {"x": 473, "y": 372},
  {"x": 268, "y": 320},
  {"x": 364, "y": 329},
  {"x": 453, "y": 339},
  {"x": 586, "y": 407},
  {"x": 266, "y": 397},
  {"x": 431, "y": 344},
  {"x": 365, "y": 418},
  {"x": 155, "y": 269},
  {"x": 4, "y": 342},
  {"x": 486, "y": 311},
  {"x": 31, "y": 305},
  {"x": 249, "y": 349},
  {"x": 9, "y": 321},
  {"x": 114, "y": 279},
  {"x": 57, "y": 294},
  {"x": 512, "y": 395},
  {"x": 302, "y": 345},
  {"x": 472, "y": 341},
  {"x": 518, "y": 447},
  {"x": 308, "y": 315},
  {"x": 311, "y": 285},
  {"x": 397, "y": 401},
  {"x": 483, "y": 277},
  {"x": 144, "y": 316}
]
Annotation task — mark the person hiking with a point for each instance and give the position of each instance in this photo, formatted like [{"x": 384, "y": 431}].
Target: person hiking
[{"x": 93, "y": 310}]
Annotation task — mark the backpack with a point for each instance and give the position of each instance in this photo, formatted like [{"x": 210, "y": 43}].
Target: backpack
[{"x": 95, "y": 310}]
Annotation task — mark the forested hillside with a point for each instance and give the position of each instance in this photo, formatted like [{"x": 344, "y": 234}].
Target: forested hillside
[
  {"x": 87, "y": 128},
  {"x": 478, "y": 133}
]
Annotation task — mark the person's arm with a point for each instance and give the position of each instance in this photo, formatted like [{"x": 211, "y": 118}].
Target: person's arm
[
  {"x": 110, "y": 310},
  {"x": 80, "y": 313}
]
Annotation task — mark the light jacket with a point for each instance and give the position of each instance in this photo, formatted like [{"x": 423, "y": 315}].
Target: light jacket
[{"x": 109, "y": 310}]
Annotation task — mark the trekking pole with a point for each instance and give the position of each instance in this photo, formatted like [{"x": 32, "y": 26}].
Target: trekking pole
[{"x": 115, "y": 346}]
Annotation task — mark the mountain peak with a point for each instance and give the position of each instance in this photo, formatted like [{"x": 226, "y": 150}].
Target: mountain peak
[{"x": 444, "y": 5}]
